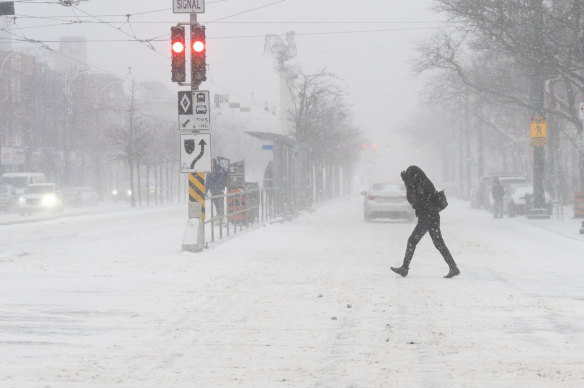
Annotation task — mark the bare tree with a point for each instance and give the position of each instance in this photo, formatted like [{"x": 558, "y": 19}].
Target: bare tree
[
  {"x": 323, "y": 128},
  {"x": 497, "y": 36}
]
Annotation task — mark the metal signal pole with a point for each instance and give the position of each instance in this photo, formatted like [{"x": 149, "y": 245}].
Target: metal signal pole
[{"x": 537, "y": 100}]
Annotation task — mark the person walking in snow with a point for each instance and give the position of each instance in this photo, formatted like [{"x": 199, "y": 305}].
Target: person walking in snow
[
  {"x": 421, "y": 195},
  {"x": 216, "y": 183},
  {"x": 498, "y": 192}
]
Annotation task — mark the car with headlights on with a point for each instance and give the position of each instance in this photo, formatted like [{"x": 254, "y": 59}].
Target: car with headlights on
[
  {"x": 40, "y": 197},
  {"x": 121, "y": 195},
  {"x": 387, "y": 200}
]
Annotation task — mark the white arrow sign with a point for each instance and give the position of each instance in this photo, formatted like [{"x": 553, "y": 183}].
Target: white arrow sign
[{"x": 195, "y": 152}]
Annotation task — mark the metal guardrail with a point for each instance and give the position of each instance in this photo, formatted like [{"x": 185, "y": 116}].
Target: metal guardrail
[{"x": 243, "y": 209}]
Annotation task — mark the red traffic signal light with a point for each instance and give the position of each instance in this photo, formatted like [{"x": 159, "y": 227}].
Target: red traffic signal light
[
  {"x": 198, "y": 55},
  {"x": 177, "y": 46},
  {"x": 199, "y": 46}
]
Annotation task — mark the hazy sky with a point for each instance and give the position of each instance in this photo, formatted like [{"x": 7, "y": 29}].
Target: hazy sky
[{"x": 374, "y": 63}]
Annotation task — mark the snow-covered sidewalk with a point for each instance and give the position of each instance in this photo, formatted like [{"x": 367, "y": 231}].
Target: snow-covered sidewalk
[{"x": 109, "y": 300}]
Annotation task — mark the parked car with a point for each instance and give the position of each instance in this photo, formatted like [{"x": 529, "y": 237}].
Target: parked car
[
  {"x": 8, "y": 198},
  {"x": 519, "y": 199},
  {"x": 80, "y": 196},
  {"x": 40, "y": 197},
  {"x": 481, "y": 194},
  {"x": 20, "y": 180},
  {"x": 387, "y": 200}
]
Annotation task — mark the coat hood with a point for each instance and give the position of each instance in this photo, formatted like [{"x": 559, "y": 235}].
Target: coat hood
[{"x": 414, "y": 176}]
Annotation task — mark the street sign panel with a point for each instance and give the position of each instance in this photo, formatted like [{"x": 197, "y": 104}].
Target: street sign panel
[
  {"x": 202, "y": 110},
  {"x": 220, "y": 98},
  {"x": 194, "y": 111},
  {"x": 195, "y": 152},
  {"x": 188, "y": 6},
  {"x": 538, "y": 129},
  {"x": 185, "y": 111}
]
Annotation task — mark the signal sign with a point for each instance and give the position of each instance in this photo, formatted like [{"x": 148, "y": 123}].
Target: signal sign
[{"x": 188, "y": 6}]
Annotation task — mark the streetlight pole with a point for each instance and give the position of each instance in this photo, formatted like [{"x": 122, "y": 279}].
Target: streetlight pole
[
  {"x": 537, "y": 101},
  {"x": 100, "y": 172},
  {"x": 2, "y": 107},
  {"x": 67, "y": 134}
]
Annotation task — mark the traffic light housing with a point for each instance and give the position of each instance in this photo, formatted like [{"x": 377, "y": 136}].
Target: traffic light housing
[
  {"x": 198, "y": 55},
  {"x": 178, "y": 49}
]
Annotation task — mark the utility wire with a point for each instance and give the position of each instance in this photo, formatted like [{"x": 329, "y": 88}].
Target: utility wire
[
  {"x": 145, "y": 41},
  {"x": 248, "y": 11},
  {"x": 54, "y": 17},
  {"x": 163, "y": 38}
]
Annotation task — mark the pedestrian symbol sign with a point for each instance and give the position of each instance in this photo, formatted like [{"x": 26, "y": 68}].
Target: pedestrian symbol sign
[{"x": 538, "y": 131}]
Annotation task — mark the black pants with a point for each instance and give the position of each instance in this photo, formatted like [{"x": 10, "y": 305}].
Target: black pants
[
  {"x": 219, "y": 205},
  {"x": 498, "y": 208},
  {"x": 431, "y": 224}
]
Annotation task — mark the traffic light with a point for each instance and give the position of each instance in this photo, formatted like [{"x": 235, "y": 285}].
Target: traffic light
[
  {"x": 177, "y": 42},
  {"x": 198, "y": 55}
]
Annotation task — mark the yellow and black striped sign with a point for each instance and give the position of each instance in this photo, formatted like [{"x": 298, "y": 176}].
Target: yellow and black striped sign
[{"x": 197, "y": 190}]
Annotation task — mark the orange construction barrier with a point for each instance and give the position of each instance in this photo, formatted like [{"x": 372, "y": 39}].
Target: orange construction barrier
[
  {"x": 236, "y": 203},
  {"x": 579, "y": 205}
]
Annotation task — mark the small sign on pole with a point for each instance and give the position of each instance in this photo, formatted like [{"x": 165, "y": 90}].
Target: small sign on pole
[
  {"x": 538, "y": 131},
  {"x": 194, "y": 111},
  {"x": 195, "y": 152},
  {"x": 188, "y": 6}
]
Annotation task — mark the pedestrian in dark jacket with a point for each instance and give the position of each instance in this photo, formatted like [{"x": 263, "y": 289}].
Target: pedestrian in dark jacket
[
  {"x": 498, "y": 193},
  {"x": 421, "y": 195},
  {"x": 216, "y": 183}
]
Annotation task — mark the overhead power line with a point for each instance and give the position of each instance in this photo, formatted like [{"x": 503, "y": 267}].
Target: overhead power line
[{"x": 163, "y": 38}]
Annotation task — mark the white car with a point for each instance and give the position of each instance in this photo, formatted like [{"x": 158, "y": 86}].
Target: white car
[
  {"x": 80, "y": 196},
  {"x": 8, "y": 198},
  {"x": 387, "y": 200},
  {"x": 40, "y": 197},
  {"x": 520, "y": 197}
]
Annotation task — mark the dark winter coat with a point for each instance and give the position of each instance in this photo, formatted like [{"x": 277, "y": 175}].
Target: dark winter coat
[
  {"x": 217, "y": 180},
  {"x": 498, "y": 191},
  {"x": 420, "y": 191},
  {"x": 269, "y": 175}
]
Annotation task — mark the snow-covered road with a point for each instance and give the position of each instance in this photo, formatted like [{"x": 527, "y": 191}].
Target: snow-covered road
[{"x": 110, "y": 300}]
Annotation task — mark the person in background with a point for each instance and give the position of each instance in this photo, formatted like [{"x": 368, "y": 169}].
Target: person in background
[
  {"x": 268, "y": 191},
  {"x": 269, "y": 176},
  {"x": 498, "y": 192},
  {"x": 420, "y": 194},
  {"x": 216, "y": 183}
]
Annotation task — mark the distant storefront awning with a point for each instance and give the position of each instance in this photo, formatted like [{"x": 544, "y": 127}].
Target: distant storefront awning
[{"x": 274, "y": 137}]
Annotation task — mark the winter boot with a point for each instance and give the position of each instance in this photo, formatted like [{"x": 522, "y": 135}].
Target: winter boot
[
  {"x": 454, "y": 271},
  {"x": 403, "y": 271}
]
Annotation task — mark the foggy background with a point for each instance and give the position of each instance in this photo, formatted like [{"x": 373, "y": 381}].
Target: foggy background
[{"x": 367, "y": 45}]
